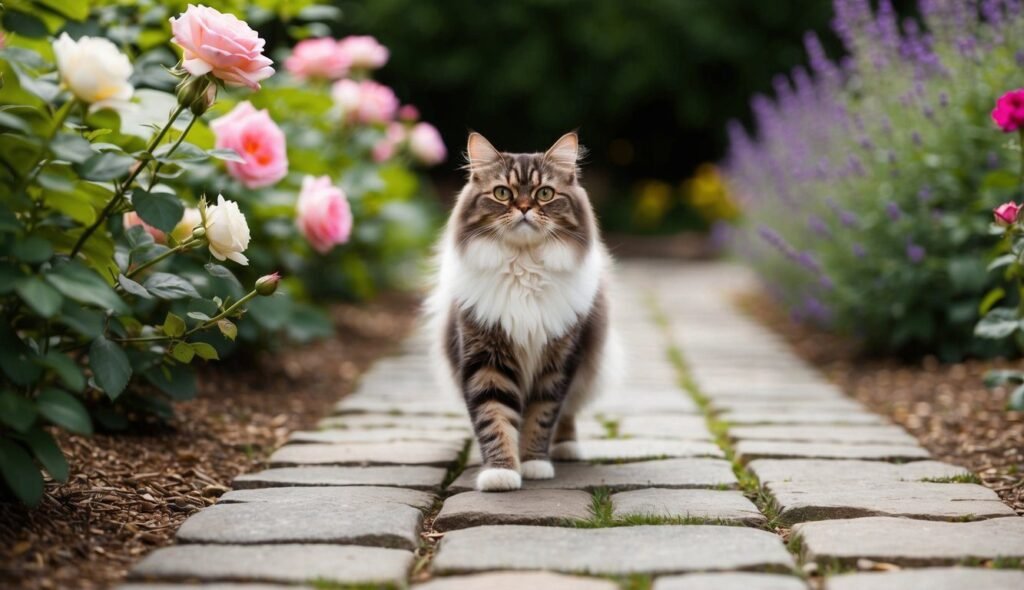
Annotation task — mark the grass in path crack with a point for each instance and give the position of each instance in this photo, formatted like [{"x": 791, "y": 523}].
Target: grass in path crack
[
  {"x": 460, "y": 465},
  {"x": 962, "y": 478},
  {"x": 602, "y": 516}
]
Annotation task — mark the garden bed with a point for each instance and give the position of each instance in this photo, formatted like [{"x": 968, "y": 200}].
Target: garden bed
[
  {"x": 946, "y": 406},
  {"x": 128, "y": 493}
]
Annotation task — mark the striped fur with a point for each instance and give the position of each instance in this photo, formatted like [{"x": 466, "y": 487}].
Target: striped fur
[{"x": 521, "y": 305}]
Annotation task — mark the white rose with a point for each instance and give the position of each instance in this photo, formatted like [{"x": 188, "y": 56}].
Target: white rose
[
  {"x": 226, "y": 231},
  {"x": 95, "y": 71}
]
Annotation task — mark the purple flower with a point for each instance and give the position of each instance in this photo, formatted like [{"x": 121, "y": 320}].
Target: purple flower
[
  {"x": 893, "y": 211},
  {"x": 925, "y": 194},
  {"x": 915, "y": 253},
  {"x": 859, "y": 251},
  {"x": 818, "y": 226}
]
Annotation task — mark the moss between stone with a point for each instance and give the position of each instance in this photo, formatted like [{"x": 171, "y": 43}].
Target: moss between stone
[
  {"x": 962, "y": 478},
  {"x": 320, "y": 584},
  {"x": 460, "y": 465}
]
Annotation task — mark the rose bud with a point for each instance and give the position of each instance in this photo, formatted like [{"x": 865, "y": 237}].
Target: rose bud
[{"x": 266, "y": 285}]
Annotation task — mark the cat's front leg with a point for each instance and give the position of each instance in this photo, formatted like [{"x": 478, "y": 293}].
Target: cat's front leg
[{"x": 535, "y": 443}]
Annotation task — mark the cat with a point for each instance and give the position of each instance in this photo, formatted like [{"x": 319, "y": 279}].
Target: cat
[{"x": 521, "y": 309}]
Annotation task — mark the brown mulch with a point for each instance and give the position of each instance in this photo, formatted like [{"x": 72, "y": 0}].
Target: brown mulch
[
  {"x": 128, "y": 493},
  {"x": 946, "y": 406}
]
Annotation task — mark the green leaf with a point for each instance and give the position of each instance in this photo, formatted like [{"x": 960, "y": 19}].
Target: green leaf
[
  {"x": 178, "y": 381},
  {"x": 228, "y": 329},
  {"x": 990, "y": 299},
  {"x": 16, "y": 359},
  {"x": 132, "y": 287},
  {"x": 184, "y": 153},
  {"x": 167, "y": 286},
  {"x": 226, "y": 154},
  {"x": 84, "y": 285},
  {"x": 205, "y": 351},
  {"x": 999, "y": 323},
  {"x": 110, "y": 366},
  {"x": 8, "y": 222},
  {"x": 64, "y": 409},
  {"x": 38, "y": 295},
  {"x": 105, "y": 166},
  {"x": 73, "y": 9},
  {"x": 999, "y": 377},
  {"x": 26, "y": 25},
  {"x": 32, "y": 250},
  {"x": 65, "y": 368},
  {"x": 1016, "y": 401},
  {"x": 71, "y": 147},
  {"x": 174, "y": 326},
  {"x": 48, "y": 453},
  {"x": 182, "y": 352},
  {"x": 16, "y": 411},
  {"x": 20, "y": 472},
  {"x": 161, "y": 210},
  {"x": 87, "y": 322},
  {"x": 138, "y": 237}
]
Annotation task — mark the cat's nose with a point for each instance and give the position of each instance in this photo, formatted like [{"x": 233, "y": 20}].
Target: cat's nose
[{"x": 523, "y": 206}]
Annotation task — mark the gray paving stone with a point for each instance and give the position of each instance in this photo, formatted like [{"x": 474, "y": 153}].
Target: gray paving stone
[
  {"x": 857, "y": 435},
  {"x": 393, "y": 453},
  {"x": 377, "y": 435},
  {"x": 774, "y": 392},
  {"x": 802, "y": 501},
  {"x": 910, "y": 543},
  {"x": 294, "y": 564},
  {"x": 713, "y": 505},
  {"x": 941, "y": 578},
  {"x": 673, "y": 402},
  {"x": 395, "y": 421},
  {"x": 611, "y": 551},
  {"x": 381, "y": 524},
  {"x": 348, "y": 496},
  {"x": 407, "y": 476},
  {"x": 758, "y": 405},
  {"x": 665, "y": 426},
  {"x": 372, "y": 405},
  {"x": 211, "y": 587},
  {"x": 748, "y": 450},
  {"x": 847, "y": 471},
  {"x": 744, "y": 417},
  {"x": 632, "y": 449},
  {"x": 517, "y": 581},
  {"x": 669, "y": 473},
  {"x": 532, "y": 507},
  {"x": 730, "y": 581}
]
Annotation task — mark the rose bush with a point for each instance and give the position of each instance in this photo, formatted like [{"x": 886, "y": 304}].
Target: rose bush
[{"x": 139, "y": 192}]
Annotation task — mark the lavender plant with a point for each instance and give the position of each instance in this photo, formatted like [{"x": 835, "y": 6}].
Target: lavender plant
[{"x": 867, "y": 183}]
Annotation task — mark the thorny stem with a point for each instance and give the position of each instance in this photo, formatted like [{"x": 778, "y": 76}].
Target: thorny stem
[{"x": 199, "y": 327}]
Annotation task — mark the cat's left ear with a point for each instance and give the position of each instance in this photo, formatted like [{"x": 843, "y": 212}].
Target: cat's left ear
[{"x": 564, "y": 153}]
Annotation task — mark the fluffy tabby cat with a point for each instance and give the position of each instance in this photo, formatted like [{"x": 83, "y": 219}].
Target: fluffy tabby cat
[{"x": 521, "y": 306}]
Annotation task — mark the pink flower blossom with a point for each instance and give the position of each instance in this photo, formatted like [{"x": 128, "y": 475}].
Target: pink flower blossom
[
  {"x": 385, "y": 149},
  {"x": 258, "y": 140},
  {"x": 409, "y": 113},
  {"x": 1009, "y": 111},
  {"x": 222, "y": 45},
  {"x": 364, "y": 52},
  {"x": 1007, "y": 213},
  {"x": 426, "y": 144},
  {"x": 317, "y": 58},
  {"x": 365, "y": 102},
  {"x": 323, "y": 214},
  {"x": 131, "y": 219}
]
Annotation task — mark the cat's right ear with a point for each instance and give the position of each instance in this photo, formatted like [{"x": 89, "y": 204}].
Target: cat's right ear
[{"x": 480, "y": 154}]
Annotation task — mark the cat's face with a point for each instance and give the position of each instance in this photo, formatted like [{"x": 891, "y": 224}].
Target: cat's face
[{"x": 524, "y": 199}]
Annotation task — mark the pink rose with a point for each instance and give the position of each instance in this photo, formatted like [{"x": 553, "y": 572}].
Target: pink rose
[
  {"x": 131, "y": 219},
  {"x": 258, "y": 140},
  {"x": 409, "y": 113},
  {"x": 385, "y": 149},
  {"x": 220, "y": 44},
  {"x": 323, "y": 214},
  {"x": 1009, "y": 111},
  {"x": 426, "y": 144},
  {"x": 366, "y": 101},
  {"x": 317, "y": 58},
  {"x": 1007, "y": 213},
  {"x": 364, "y": 52}
]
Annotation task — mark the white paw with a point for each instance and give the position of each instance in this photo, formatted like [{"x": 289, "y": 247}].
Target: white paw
[
  {"x": 538, "y": 469},
  {"x": 498, "y": 480},
  {"x": 566, "y": 451}
]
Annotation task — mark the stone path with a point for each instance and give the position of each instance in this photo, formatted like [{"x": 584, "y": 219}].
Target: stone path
[{"x": 724, "y": 462}]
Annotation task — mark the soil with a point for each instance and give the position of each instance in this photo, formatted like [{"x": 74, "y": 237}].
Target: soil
[
  {"x": 128, "y": 493},
  {"x": 946, "y": 406}
]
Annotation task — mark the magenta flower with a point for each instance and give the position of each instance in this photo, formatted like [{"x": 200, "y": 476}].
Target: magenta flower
[
  {"x": 1009, "y": 111},
  {"x": 1007, "y": 213}
]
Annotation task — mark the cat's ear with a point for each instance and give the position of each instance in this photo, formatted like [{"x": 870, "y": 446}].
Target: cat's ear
[
  {"x": 565, "y": 152},
  {"x": 480, "y": 153}
]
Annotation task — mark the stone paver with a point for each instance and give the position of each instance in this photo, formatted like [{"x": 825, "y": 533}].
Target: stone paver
[
  {"x": 802, "y": 501},
  {"x": 517, "y": 581},
  {"x": 397, "y": 421},
  {"x": 393, "y": 453},
  {"x": 748, "y": 450},
  {"x": 211, "y": 587},
  {"x": 295, "y": 564},
  {"x": 611, "y": 551},
  {"x": 531, "y": 507},
  {"x": 411, "y": 476},
  {"x": 851, "y": 435},
  {"x": 749, "y": 417},
  {"x": 942, "y": 578},
  {"x": 670, "y": 402},
  {"x": 633, "y": 449},
  {"x": 730, "y": 581},
  {"x": 370, "y": 435},
  {"x": 712, "y": 505},
  {"x": 669, "y": 473},
  {"x": 910, "y": 543},
  {"x": 359, "y": 516},
  {"x": 363, "y": 405},
  {"x": 821, "y": 470},
  {"x": 665, "y": 426}
]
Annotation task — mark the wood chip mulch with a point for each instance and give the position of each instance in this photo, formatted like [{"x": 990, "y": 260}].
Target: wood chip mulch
[
  {"x": 129, "y": 492},
  {"x": 946, "y": 406}
]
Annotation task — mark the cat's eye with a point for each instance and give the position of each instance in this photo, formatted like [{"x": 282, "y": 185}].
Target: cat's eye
[
  {"x": 545, "y": 194},
  {"x": 502, "y": 193}
]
